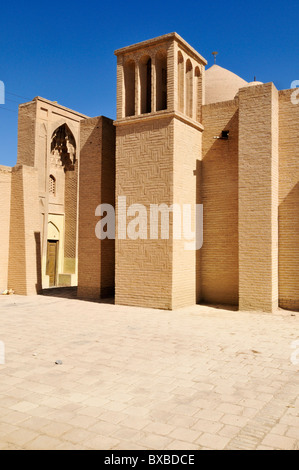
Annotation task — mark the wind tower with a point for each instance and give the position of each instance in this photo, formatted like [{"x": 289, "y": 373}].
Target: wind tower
[{"x": 160, "y": 92}]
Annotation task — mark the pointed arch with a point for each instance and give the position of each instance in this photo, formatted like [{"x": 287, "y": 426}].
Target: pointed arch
[
  {"x": 145, "y": 74},
  {"x": 181, "y": 88},
  {"x": 161, "y": 80},
  {"x": 129, "y": 82},
  {"x": 189, "y": 89},
  {"x": 53, "y": 231},
  {"x": 63, "y": 147},
  {"x": 197, "y": 94}
]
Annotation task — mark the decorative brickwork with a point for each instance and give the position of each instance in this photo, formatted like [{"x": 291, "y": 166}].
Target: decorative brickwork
[{"x": 237, "y": 155}]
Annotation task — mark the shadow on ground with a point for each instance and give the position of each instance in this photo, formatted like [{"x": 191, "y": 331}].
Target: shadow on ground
[
  {"x": 231, "y": 308},
  {"x": 71, "y": 293}
]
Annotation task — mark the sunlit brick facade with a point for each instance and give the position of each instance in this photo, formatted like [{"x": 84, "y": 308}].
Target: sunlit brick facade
[{"x": 182, "y": 135}]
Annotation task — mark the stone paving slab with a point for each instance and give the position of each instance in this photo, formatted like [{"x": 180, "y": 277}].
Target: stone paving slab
[{"x": 133, "y": 378}]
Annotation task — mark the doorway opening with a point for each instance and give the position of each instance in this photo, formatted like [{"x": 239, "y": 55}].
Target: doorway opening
[{"x": 52, "y": 262}]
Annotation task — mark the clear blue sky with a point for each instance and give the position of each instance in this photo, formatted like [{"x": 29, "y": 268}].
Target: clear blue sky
[{"x": 63, "y": 51}]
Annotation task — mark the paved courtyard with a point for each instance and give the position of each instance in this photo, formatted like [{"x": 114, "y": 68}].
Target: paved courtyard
[{"x": 132, "y": 378}]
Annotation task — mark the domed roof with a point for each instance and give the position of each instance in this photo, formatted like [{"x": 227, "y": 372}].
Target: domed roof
[
  {"x": 254, "y": 83},
  {"x": 221, "y": 84}
]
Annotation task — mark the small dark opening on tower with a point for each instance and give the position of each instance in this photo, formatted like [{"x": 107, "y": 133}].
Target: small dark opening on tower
[
  {"x": 161, "y": 80},
  {"x": 148, "y": 86},
  {"x": 224, "y": 135}
]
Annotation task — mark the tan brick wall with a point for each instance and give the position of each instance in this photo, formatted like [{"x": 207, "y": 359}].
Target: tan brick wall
[
  {"x": 96, "y": 259},
  {"x": 171, "y": 90},
  {"x": 144, "y": 174},
  {"x": 70, "y": 211},
  {"x": 187, "y": 154},
  {"x": 5, "y": 193},
  {"x": 156, "y": 158},
  {"x": 37, "y": 122},
  {"x": 258, "y": 198},
  {"x": 250, "y": 251},
  {"x": 288, "y": 201},
  {"x": 26, "y": 133},
  {"x": 24, "y": 275},
  {"x": 219, "y": 193}
]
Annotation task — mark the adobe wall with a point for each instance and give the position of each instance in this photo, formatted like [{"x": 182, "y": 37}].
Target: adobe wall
[
  {"x": 288, "y": 201},
  {"x": 5, "y": 195},
  {"x": 219, "y": 194},
  {"x": 96, "y": 258}
]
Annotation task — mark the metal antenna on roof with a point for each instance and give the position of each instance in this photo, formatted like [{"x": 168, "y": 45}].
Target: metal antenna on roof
[{"x": 214, "y": 54}]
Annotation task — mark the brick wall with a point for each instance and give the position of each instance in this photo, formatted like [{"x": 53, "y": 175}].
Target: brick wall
[
  {"x": 70, "y": 210},
  {"x": 24, "y": 272},
  {"x": 288, "y": 201},
  {"x": 37, "y": 122},
  {"x": 219, "y": 195},
  {"x": 144, "y": 174},
  {"x": 5, "y": 193},
  {"x": 258, "y": 198},
  {"x": 187, "y": 153},
  {"x": 26, "y": 133},
  {"x": 96, "y": 259}
]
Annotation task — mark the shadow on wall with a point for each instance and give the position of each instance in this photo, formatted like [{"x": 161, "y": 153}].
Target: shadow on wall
[
  {"x": 218, "y": 179},
  {"x": 288, "y": 250},
  {"x": 96, "y": 258},
  {"x": 38, "y": 262},
  {"x": 108, "y": 175},
  {"x": 197, "y": 174}
]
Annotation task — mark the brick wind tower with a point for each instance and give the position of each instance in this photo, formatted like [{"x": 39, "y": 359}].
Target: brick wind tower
[{"x": 160, "y": 89}]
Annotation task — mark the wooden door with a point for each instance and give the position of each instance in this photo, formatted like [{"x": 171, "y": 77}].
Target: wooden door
[{"x": 52, "y": 262}]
